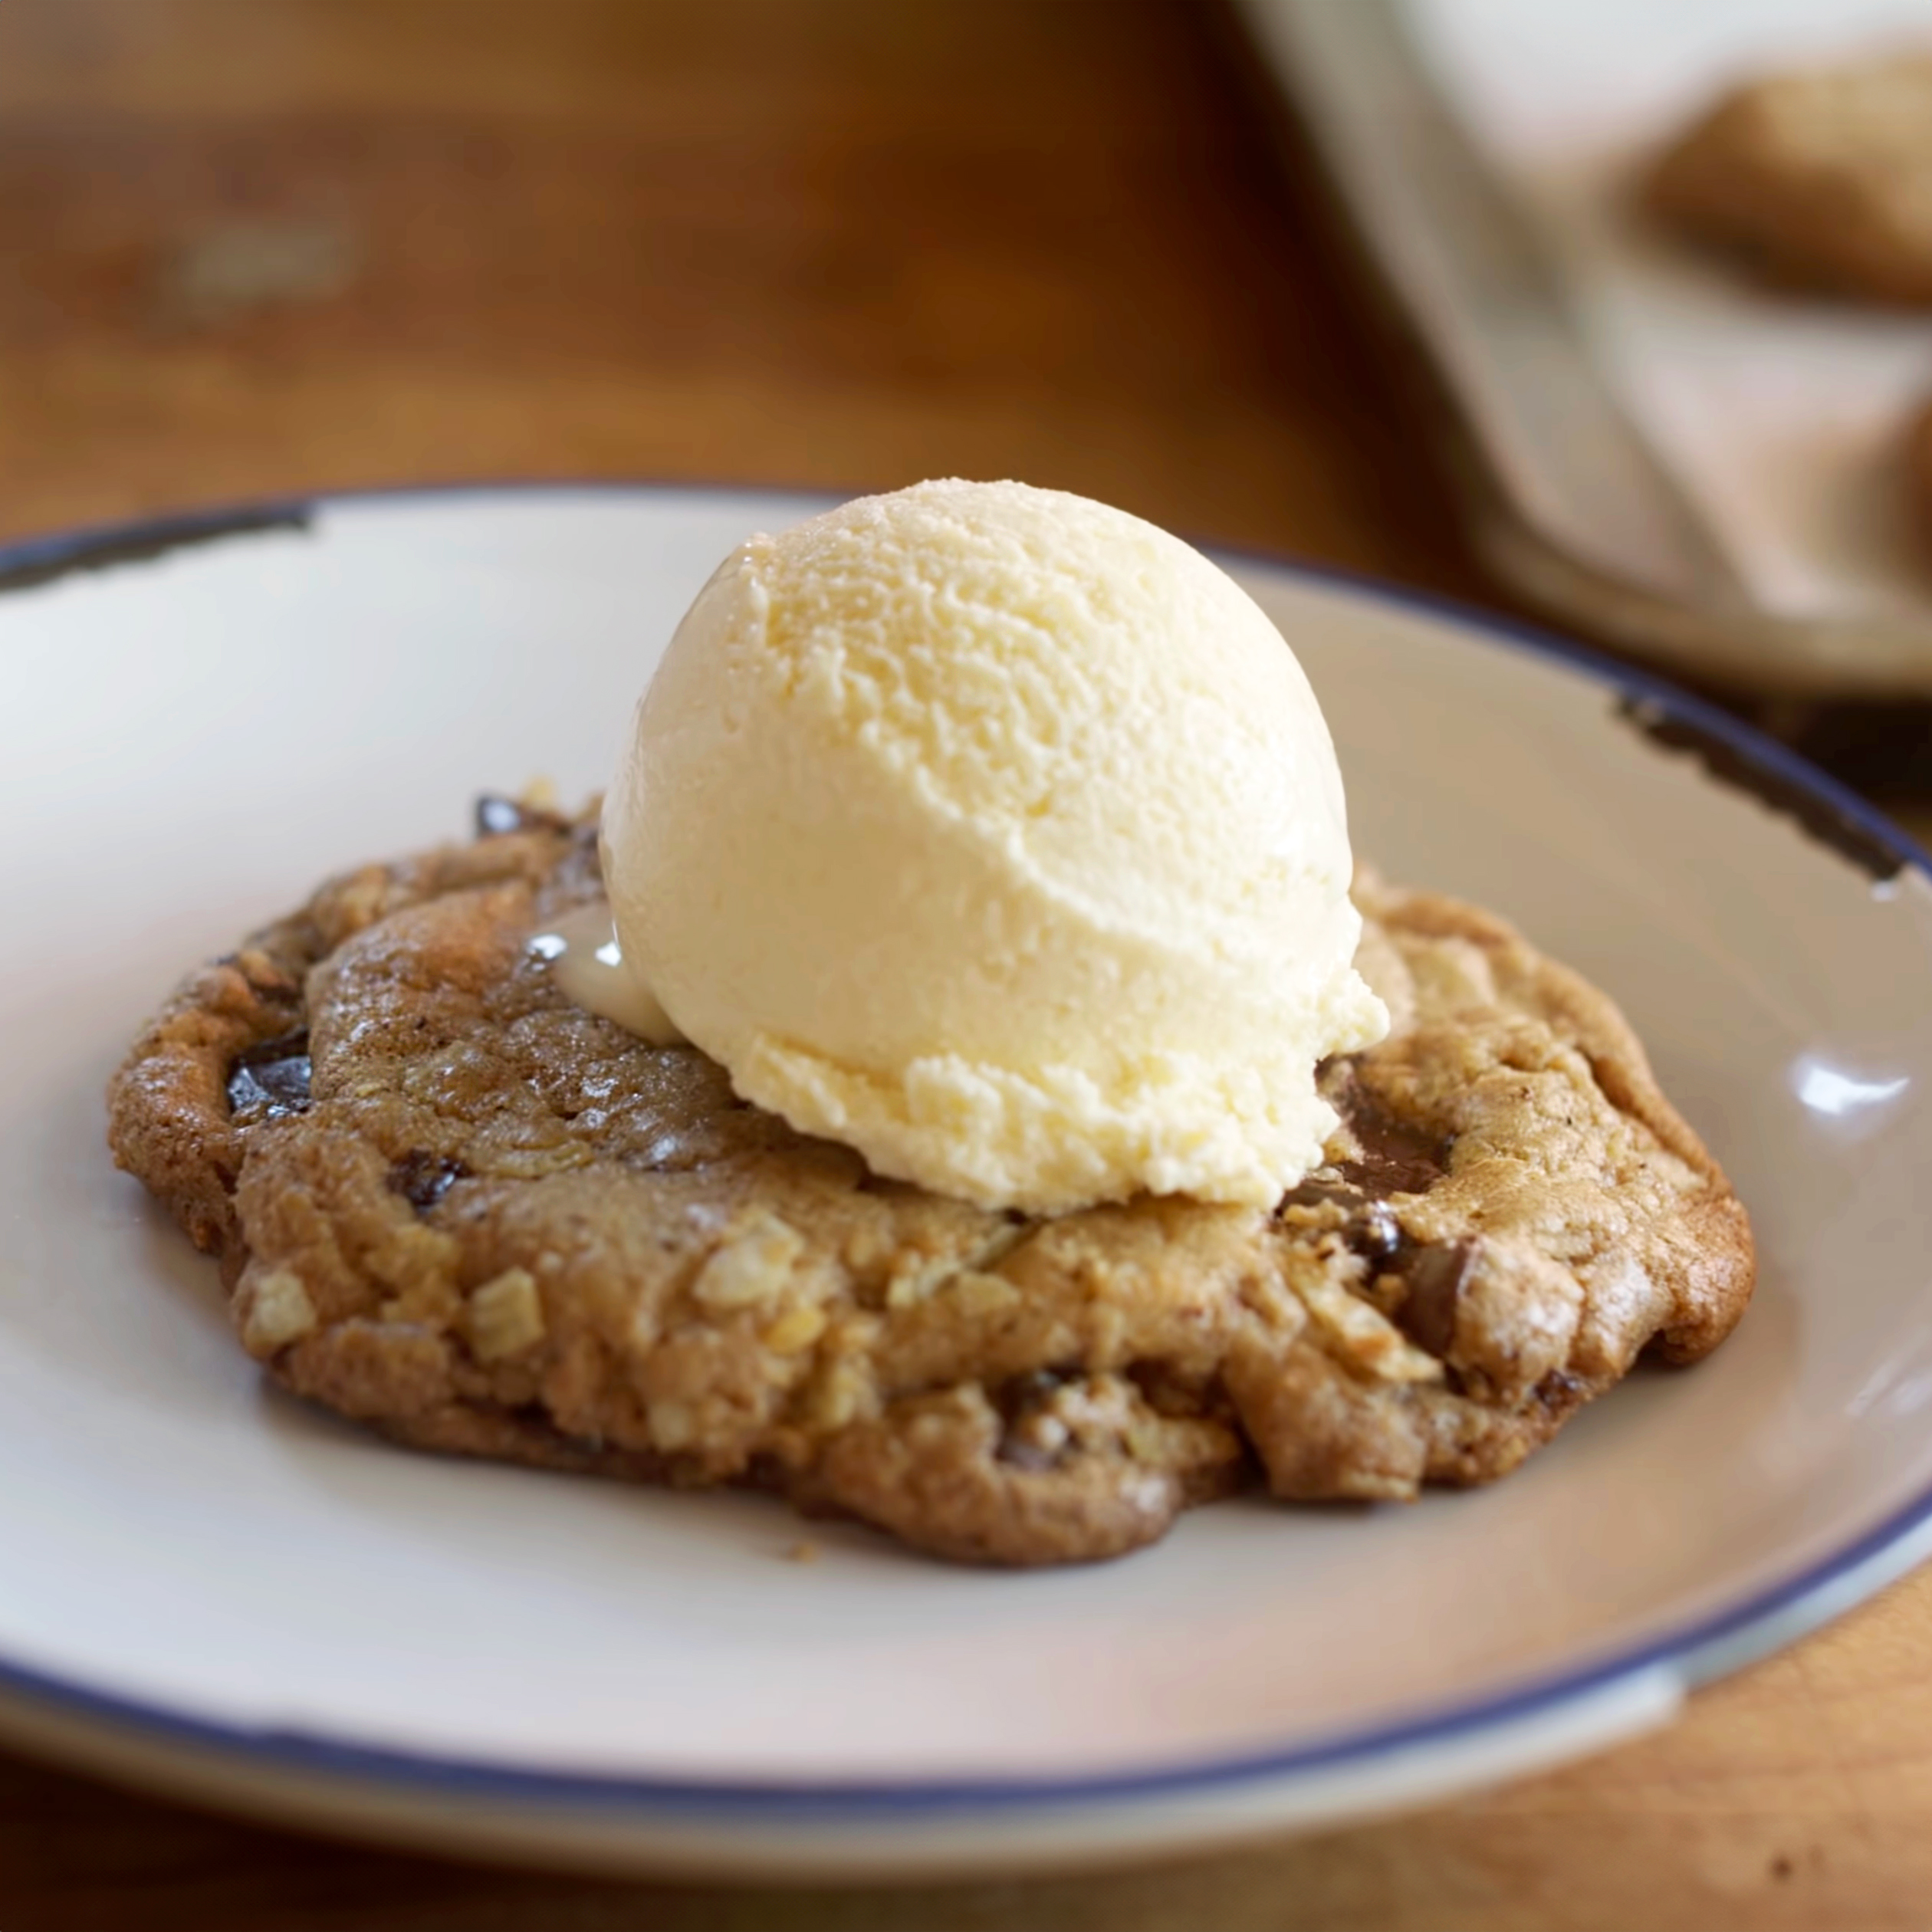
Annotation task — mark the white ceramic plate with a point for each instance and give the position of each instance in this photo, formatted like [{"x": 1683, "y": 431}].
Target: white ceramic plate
[{"x": 206, "y": 1587}]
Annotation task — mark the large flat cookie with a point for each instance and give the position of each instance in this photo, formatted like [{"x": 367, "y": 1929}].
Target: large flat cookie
[
  {"x": 452, "y": 1205},
  {"x": 1822, "y": 176}
]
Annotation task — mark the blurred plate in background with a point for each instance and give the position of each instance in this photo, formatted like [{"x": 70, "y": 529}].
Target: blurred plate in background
[{"x": 1708, "y": 471}]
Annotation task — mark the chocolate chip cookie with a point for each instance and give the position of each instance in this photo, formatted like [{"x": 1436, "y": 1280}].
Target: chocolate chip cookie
[
  {"x": 1822, "y": 177},
  {"x": 455, "y": 1206}
]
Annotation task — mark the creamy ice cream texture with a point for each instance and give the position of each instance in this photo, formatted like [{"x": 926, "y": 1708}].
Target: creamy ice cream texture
[{"x": 998, "y": 834}]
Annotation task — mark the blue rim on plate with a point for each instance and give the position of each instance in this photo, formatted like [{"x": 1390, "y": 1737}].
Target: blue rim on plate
[{"x": 1699, "y": 1651}]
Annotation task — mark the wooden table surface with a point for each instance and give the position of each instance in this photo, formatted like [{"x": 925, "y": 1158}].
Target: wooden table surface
[{"x": 256, "y": 247}]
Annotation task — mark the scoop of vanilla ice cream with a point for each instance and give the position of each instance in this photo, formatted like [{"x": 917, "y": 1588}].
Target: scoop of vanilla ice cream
[{"x": 998, "y": 834}]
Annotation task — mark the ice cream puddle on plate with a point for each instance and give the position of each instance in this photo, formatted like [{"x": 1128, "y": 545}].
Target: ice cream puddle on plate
[{"x": 998, "y": 834}]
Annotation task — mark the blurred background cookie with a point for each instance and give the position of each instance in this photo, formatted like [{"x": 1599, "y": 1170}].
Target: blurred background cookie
[
  {"x": 1918, "y": 464},
  {"x": 1822, "y": 177}
]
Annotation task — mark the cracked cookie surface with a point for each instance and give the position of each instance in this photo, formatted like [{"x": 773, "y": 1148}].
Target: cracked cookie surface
[{"x": 455, "y": 1206}]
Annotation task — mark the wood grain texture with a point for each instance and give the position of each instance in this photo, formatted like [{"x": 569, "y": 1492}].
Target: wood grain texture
[
  {"x": 259, "y": 247},
  {"x": 845, "y": 242}
]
